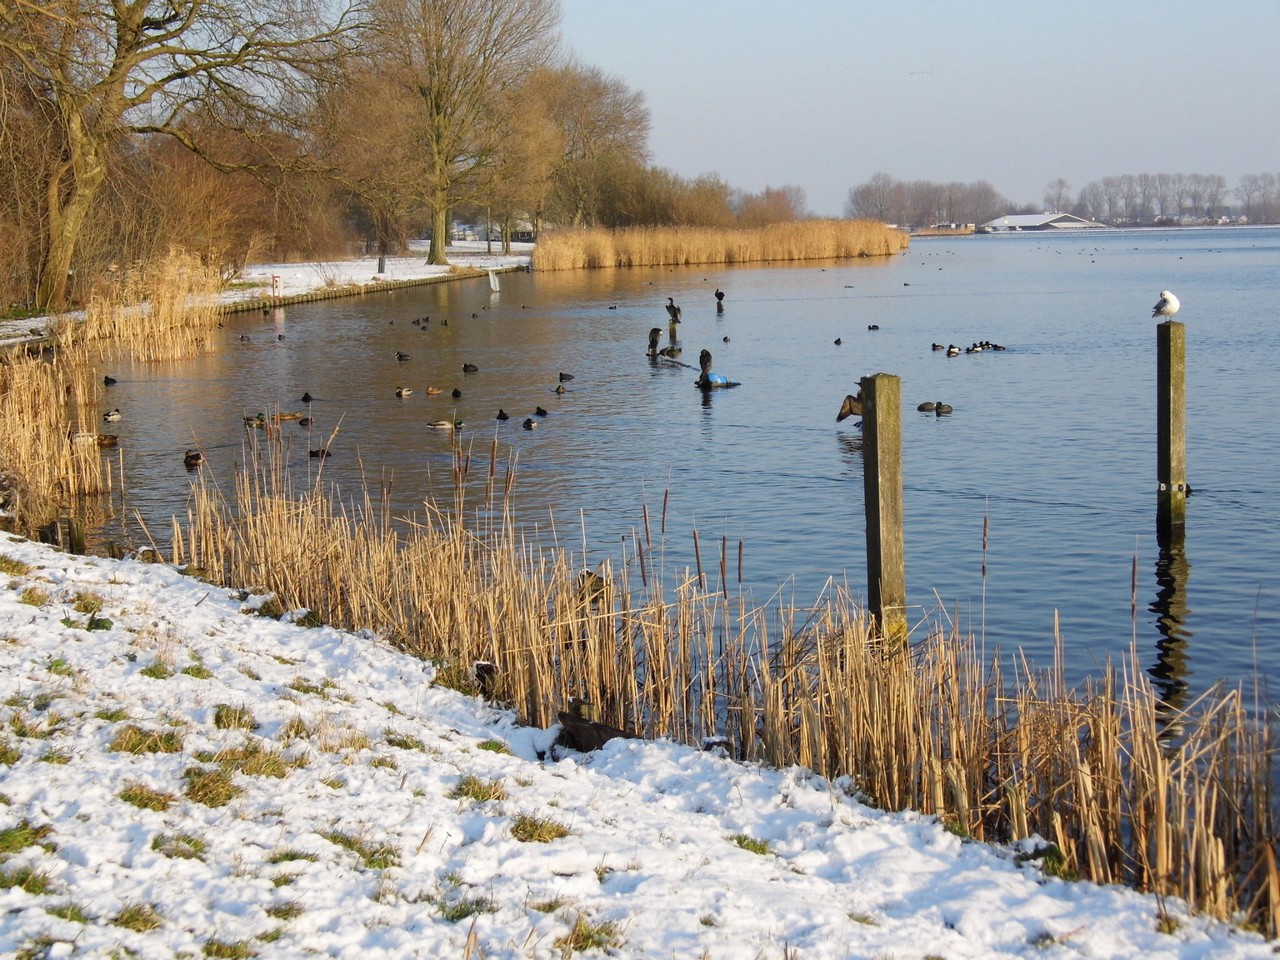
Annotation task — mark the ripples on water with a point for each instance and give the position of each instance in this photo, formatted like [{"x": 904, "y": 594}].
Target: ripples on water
[{"x": 1053, "y": 440}]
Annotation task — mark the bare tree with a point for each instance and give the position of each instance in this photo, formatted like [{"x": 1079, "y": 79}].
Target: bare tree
[
  {"x": 105, "y": 68},
  {"x": 1057, "y": 195},
  {"x": 872, "y": 200},
  {"x": 602, "y": 123},
  {"x": 1093, "y": 201},
  {"x": 462, "y": 64}
]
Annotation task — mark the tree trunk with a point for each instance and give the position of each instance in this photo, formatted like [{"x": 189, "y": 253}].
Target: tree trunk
[
  {"x": 439, "y": 236},
  {"x": 66, "y": 219}
]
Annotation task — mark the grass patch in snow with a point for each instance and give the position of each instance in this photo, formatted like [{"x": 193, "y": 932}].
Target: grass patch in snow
[
  {"x": 228, "y": 717},
  {"x": 28, "y": 879},
  {"x": 494, "y": 746},
  {"x": 213, "y": 788},
  {"x": 34, "y": 597},
  {"x": 528, "y": 829},
  {"x": 134, "y": 739},
  {"x": 17, "y": 838},
  {"x": 478, "y": 789},
  {"x": 751, "y": 844},
  {"x": 179, "y": 846},
  {"x": 230, "y": 949},
  {"x": 586, "y": 935},
  {"x": 375, "y": 857},
  {"x": 138, "y": 917},
  {"x": 145, "y": 798},
  {"x": 157, "y": 670},
  {"x": 402, "y": 740},
  {"x": 13, "y": 567}
]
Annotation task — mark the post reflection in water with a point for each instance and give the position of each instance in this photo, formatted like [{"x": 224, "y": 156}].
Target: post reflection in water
[{"x": 1171, "y": 669}]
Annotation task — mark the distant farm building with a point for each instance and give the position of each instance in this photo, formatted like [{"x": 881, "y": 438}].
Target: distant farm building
[{"x": 1038, "y": 221}]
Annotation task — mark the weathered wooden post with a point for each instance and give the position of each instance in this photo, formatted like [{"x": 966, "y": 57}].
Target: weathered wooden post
[
  {"x": 1171, "y": 425},
  {"x": 882, "y": 483}
]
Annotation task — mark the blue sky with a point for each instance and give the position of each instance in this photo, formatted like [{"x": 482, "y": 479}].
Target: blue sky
[{"x": 823, "y": 94}]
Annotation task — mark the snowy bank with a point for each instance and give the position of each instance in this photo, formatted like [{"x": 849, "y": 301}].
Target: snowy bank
[{"x": 182, "y": 775}]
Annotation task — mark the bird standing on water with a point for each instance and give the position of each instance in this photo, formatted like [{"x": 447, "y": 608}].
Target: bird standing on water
[{"x": 1167, "y": 306}]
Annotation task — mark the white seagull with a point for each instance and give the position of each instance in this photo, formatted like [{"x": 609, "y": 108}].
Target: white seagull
[{"x": 1167, "y": 306}]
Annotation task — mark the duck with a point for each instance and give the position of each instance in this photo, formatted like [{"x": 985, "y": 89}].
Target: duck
[
  {"x": 927, "y": 407},
  {"x": 192, "y": 459},
  {"x": 852, "y": 407},
  {"x": 566, "y": 377},
  {"x": 838, "y": 341},
  {"x": 530, "y": 423},
  {"x": 279, "y": 417},
  {"x": 673, "y": 311},
  {"x": 559, "y": 388},
  {"x": 937, "y": 346},
  {"x": 111, "y": 416},
  {"x": 671, "y": 352},
  {"x": 539, "y": 412},
  {"x": 403, "y": 391},
  {"x": 873, "y": 326},
  {"x": 441, "y": 424},
  {"x": 108, "y": 440},
  {"x": 432, "y": 391},
  {"x": 1166, "y": 306},
  {"x": 307, "y": 398},
  {"x": 402, "y": 356},
  {"x": 456, "y": 394},
  {"x": 319, "y": 454},
  {"x": 305, "y": 422},
  {"x": 108, "y": 380},
  {"x": 941, "y": 409},
  {"x": 469, "y": 368},
  {"x": 953, "y": 351},
  {"x": 502, "y": 415}
]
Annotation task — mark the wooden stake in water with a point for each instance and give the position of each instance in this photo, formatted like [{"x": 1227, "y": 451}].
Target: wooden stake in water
[
  {"x": 882, "y": 484},
  {"x": 1171, "y": 426}
]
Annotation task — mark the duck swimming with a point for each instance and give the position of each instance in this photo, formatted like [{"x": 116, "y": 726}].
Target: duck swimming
[
  {"x": 111, "y": 416},
  {"x": 469, "y": 368},
  {"x": 403, "y": 391},
  {"x": 502, "y": 415},
  {"x": 530, "y": 423},
  {"x": 539, "y": 412},
  {"x": 192, "y": 459},
  {"x": 402, "y": 356},
  {"x": 941, "y": 409}
]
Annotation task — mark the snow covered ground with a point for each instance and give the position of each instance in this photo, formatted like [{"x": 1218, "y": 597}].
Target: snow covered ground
[
  {"x": 366, "y": 812},
  {"x": 290, "y": 279}
]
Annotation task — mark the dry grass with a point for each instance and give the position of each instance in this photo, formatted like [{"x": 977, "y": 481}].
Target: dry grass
[
  {"x": 930, "y": 726},
  {"x": 572, "y": 249},
  {"x": 50, "y": 405}
]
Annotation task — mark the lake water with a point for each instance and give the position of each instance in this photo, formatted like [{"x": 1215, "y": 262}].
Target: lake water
[{"x": 1053, "y": 439}]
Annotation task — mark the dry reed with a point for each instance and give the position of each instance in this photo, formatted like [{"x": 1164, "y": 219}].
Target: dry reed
[
  {"x": 50, "y": 457},
  {"x": 930, "y": 726},
  {"x": 573, "y": 249}
]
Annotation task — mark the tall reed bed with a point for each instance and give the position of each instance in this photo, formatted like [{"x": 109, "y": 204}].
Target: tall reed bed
[
  {"x": 165, "y": 310},
  {"x": 49, "y": 452},
  {"x": 572, "y": 249},
  {"x": 931, "y": 725}
]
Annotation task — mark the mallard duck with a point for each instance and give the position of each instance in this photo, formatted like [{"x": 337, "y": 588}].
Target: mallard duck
[
  {"x": 111, "y": 416},
  {"x": 432, "y": 391},
  {"x": 559, "y": 388},
  {"x": 1166, "y": 306},
  {"x": 108, "y": 440},
  {"x": 445, "y": 424},
  {"x": 285, "y": 415},
  {"x": 403, "y": 391}
]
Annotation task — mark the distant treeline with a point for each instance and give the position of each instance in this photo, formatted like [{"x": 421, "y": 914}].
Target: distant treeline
[{"x": 1145, "y": 198}]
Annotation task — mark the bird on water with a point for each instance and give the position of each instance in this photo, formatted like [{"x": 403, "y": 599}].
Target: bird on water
[{"x": 1166, "y": 306}]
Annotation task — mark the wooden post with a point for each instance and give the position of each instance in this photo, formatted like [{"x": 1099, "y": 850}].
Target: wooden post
[
  {"x": 1171, "y": 404},
  {"x": 882, "y": 480}
]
